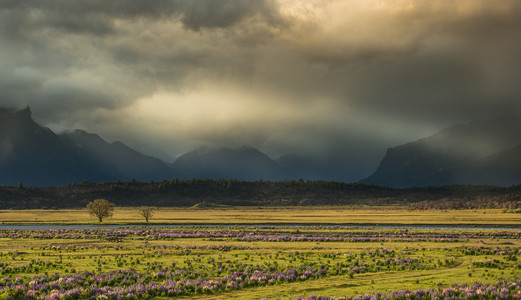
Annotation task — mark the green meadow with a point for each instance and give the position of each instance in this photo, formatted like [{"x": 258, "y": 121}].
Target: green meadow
[{"x": 206, "y": 255}]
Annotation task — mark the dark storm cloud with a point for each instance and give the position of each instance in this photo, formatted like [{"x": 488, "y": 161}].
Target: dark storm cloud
[
  {"x": 225, "y": 13},
  {"x": 97, "y": 17},
  {"x": 440, "y": 60},
  {"x": 55, "y": 38}
]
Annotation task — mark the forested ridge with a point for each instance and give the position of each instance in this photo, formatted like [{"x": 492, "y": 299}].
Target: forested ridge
[{"x": 184, "y": 193}]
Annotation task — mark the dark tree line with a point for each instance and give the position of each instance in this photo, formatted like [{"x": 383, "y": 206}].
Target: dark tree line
[
  {"x": 184, "y": 193},
  {"x": 508, "y": 202}
]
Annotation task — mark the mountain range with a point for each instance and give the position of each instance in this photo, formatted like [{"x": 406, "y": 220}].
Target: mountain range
[
  {"x": 481, "y": 153},
  {"x": 34, "y": 155},
  {"x": 245, "y": 163}
]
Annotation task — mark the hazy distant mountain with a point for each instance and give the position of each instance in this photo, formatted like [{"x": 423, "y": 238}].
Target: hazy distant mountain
[
  {"x": 244, "y": 163},
  {"x": 116, "y": 158},
  {"x": 487, "y": 153},
  {"x": 36, "y": 156},
  {"x": 503, "y": 168},
  {"x": 306, "y": 167},
  {"x": 478, "y": 153},
  {"x": 299, "y": 166}
]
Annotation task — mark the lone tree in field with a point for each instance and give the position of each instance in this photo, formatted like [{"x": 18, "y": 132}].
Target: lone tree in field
[
  {"x": 146, "y": 212},
  {"x": 101, "y": 208}
]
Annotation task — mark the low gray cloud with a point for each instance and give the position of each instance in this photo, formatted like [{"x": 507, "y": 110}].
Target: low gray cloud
[
  {"x": 338, "y": 79},
  {"x": 98, "y": 17},
  {"x": 226, "y": 13}
]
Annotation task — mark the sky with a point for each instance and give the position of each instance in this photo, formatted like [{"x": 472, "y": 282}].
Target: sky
[{"x": 337, "y": 80}]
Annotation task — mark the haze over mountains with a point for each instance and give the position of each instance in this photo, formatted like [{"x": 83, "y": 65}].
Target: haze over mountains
[
  {"x": 487, "y": 153},
  {"x": 37, "y": 156},
  {"x": 245, "y": 163},
  {"x": 117, "y": 159},
  {"x": 34, "y": 155}
]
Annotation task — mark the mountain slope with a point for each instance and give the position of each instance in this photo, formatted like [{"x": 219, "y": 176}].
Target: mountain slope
[
  {"x": 476, "y": 153},
  {"x": 312, "y": 168},
  {"x": 118, "y": 159},
  {"x": 244, "y": 163},
  {"x": 503, "y": 168},
  {"x": 36, "y": 156}
]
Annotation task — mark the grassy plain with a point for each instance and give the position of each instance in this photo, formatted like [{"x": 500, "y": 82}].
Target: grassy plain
[
  {"x": 426, "y": 262},
  {"x": 270, "y": 215},
  {"x": 358, "y": 260}
]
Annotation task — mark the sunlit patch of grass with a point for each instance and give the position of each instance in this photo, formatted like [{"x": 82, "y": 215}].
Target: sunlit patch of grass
[{"x": 287, "y": 215}]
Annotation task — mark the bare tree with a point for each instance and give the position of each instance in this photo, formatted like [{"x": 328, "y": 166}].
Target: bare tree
[
  {"x": 146, "y": 212},
  {"x": 101, "y": 208}
]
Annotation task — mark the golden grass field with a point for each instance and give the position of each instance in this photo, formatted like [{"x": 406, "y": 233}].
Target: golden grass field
[{"x": 269, "y": 215}]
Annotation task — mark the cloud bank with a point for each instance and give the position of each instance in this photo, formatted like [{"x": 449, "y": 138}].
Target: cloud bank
[{"x": 341, "y": 80}]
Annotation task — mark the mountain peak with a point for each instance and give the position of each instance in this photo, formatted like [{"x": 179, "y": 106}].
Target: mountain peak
[
  {"x": 208, "y": 149},
  {"x": 117, "y": 159},
  {"x": 460, "y": 154},
  {"x": 20, "y": 113},
  {"x": 246, "y": 163},
  {"x": 35, "y": 155},
  {"x": 25, "y": 112}
]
